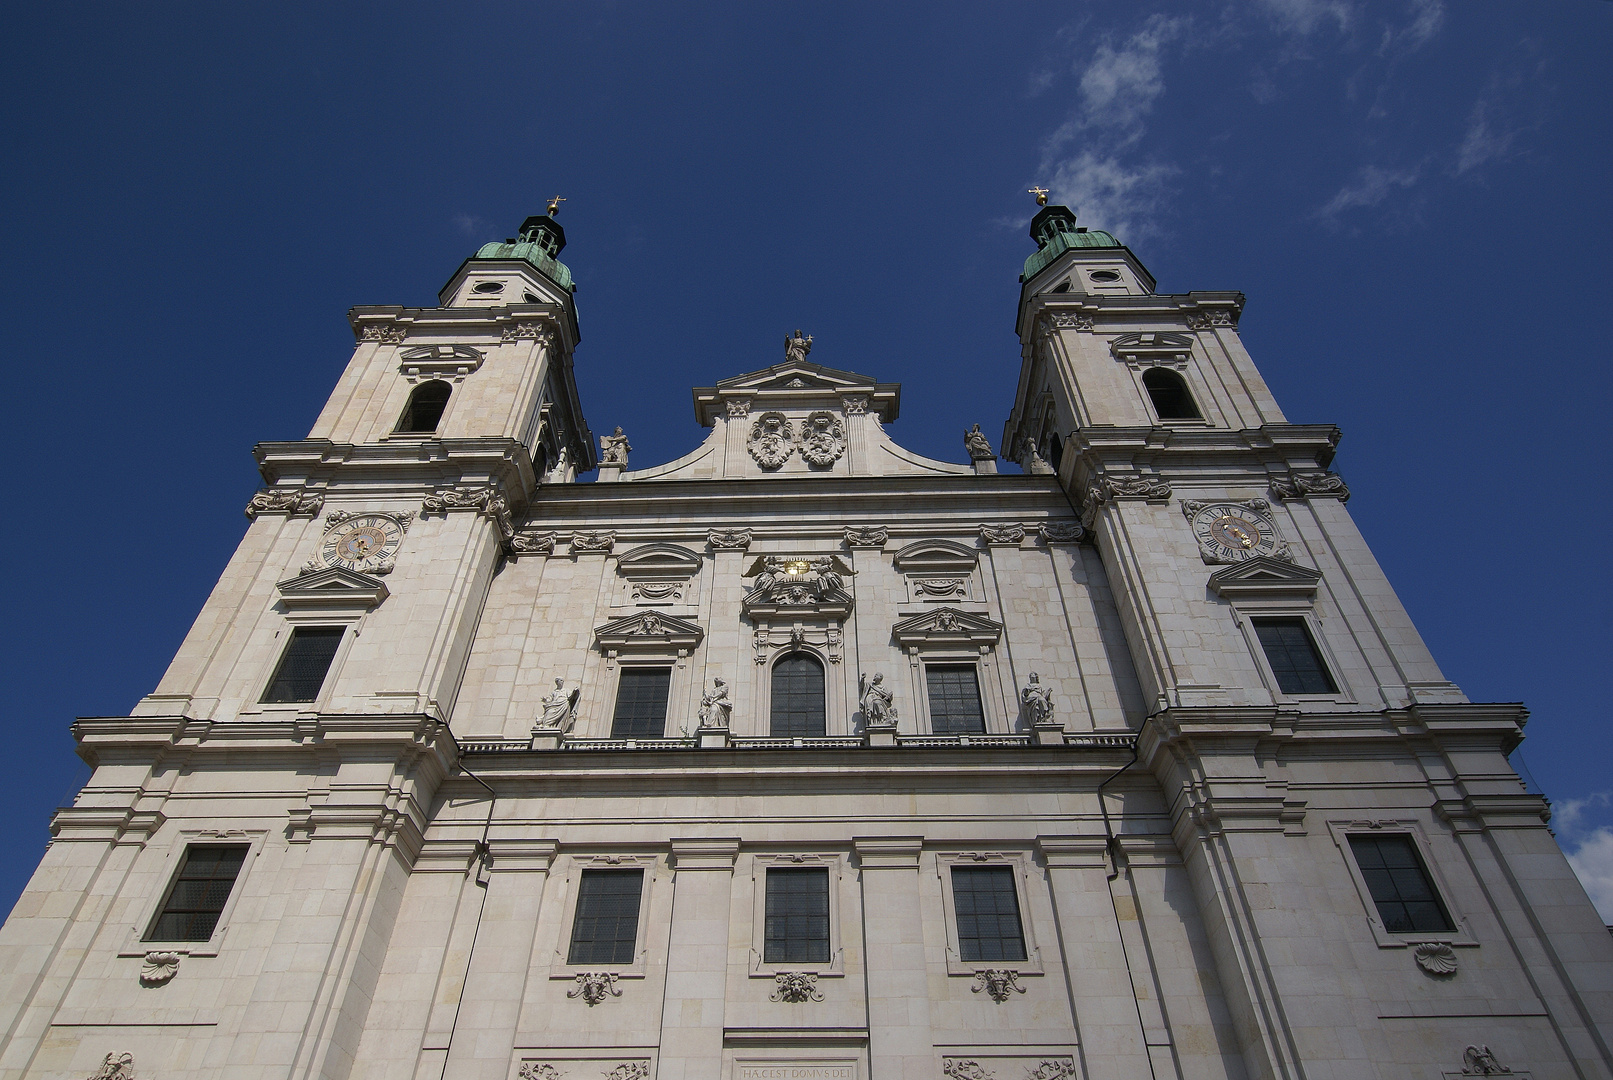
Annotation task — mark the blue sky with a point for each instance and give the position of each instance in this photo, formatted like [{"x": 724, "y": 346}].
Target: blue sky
[{"x": 1413, "y": 195}]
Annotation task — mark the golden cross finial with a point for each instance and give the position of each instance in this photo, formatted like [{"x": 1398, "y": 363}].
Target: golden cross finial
[
  {"x": 554, "y": 205},
  {"x": 1040, "y": 193}
]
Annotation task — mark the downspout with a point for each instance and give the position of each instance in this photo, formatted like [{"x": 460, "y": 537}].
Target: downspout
[{"x": 483, "y": 861}]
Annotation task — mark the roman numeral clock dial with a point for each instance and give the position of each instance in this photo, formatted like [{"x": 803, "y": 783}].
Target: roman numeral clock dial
[
  {"x": 367, "y": 543},
  {"x": 1233, "y": 532}
]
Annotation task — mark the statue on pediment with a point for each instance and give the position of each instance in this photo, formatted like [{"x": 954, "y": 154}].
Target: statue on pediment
[
  {"x": 978, "y": 445},
  {"x": 614, "y": 448},
  {"x": 796, "y": 348}
]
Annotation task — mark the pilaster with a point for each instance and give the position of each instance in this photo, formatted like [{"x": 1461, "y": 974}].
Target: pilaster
[
  {"x": 697, "y": 959},
  {"x": 901, "y": 1043}
]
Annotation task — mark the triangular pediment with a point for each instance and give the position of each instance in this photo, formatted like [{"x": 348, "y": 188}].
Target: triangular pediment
[
  {"x": 795, "y": 384},
  {"x": 807, "y": 374},
  {"x": 332, "y": 588},
  {"x": 947, "y": 625},
  {"x": 936, "y": 557},
  {"x": 1266, "y": 576},
  {"x": 659, "y": 560},
  {"x": 648, "y": 631}
]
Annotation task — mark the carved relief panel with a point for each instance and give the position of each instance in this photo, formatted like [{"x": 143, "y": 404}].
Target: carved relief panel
[
  {"x": 939, "y": 572},
  {"x": 658, "y": 575}
]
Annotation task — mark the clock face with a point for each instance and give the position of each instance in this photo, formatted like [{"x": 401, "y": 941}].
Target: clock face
[
  {"x": 1230, "y": 532},
  {"x": 366, "y": 543}
]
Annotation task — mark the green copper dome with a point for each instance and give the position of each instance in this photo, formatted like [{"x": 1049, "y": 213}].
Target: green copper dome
[
  {"x": 540, "y": 241},
  {"x": 1055, "y": 232}
]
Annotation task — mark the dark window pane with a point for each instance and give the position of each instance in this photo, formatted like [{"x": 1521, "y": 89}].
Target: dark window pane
[
  {"x": 197, "y": 897},
  {"x": 798, "y": 711},
  {"x": 605, "y": 930},
  {"x": 1399, "y": 885},
  {"x": 988, "y": 913},
  {"x": 797, "y": 917},
  {"x": 1168, "y": 391},
  {"x": 424, "y": 410},
  {"x": 641, "y": 703},
  {"x": 1293, "y": 657},
  {"x": 303, "y": 668},
  {"x": 954, "y": 699}
]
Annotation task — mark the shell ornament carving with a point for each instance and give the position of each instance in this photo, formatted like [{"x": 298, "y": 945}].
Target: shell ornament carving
[
  {"x": 1436, "y": 958},
  {"x": 159, "y": 967},
  {"x": 772, "y": 440},
  {"x": 823, "y": 439}
]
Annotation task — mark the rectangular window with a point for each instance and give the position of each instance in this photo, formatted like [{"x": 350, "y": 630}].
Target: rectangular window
[
  {"x": 797, "y": 917},
  {"x": 196, "y": 899},
  {"x": 605, "y": 930},
  {"x": 305, "y": 664},
  {"x": 954, "y": 699},
  {"x": 1399, "y": 885},
  {"x": 1293, "y": 657},
  {"x": 988, "y": 913},
  {"x": 641, "y": 697}
]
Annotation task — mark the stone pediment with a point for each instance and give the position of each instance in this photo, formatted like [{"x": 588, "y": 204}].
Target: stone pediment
[
  {"x": 334, "y": 588},
  {"x": 1145, "y": 349},
  {"x": 439, "y": 361},
  {"x": 936, "y": 557},
  {"x": 1266, "y": 577},
  {"x": 947, "y": 626},
  {"x": 659, "y": 560},
  {"x": 795, "y": 384},
  {"x": 648, "y": 631}
]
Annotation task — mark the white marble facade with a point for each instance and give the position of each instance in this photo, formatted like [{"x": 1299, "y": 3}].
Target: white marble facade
[{"x": 1177, "y": 828}]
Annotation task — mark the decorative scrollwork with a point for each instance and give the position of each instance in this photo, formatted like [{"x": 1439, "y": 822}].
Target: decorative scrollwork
[
  {"x": 796, "y": 987},
  {"x": 966, "y": 1069},
  {"x": 385, "y": 333},
  {"x": 998, "y": 983},
  {"x": 541, "y": 332},
  {"x": 729, "y": 539},
  {"x": 485, "y": 500},
  {"x": 1481, "y": 1061},
  {"x": 593, "y": 541},
  {"x": 1011, "y": 533},
  {"x": 823, "y": 439},
  {"x": 1051, "y": 1069},
  {"x": 292, "y": 502},
  {"x": 1304, "y": 485},
  {"x": 1071, "y": 320},
  {"x": 872, "y": 536},
  {"x": 1435, "y": 957},
  {"x": 532, "y": 543},
  {"x": 1205, "y": 320},
  {"x": 1051, "y": 533},
  {"x": 539, "y": 1070},
  {"x": 938, "y": 586},
  {"x": 630, "y": 1070},
  {"x": 594, "y": 986},
  {"x": 738, "y": 408},
  {"x": 854, "y": 404},
  {"x": 772, "y": 440}
]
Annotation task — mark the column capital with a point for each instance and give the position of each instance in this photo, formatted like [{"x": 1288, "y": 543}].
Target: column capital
[
  {"x": 888, "y": 852},
  {"x": 1073, "y": 852},
  {"x": 703, "y": 853},
  {"x": 520, "y": 855}
]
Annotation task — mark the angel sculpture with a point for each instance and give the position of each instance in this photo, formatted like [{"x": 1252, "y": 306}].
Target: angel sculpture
[
  {"x": 1038, "y": 701},
  {"x": 829, "y": 579},
  {"x": 715, "y": 707},
  {"x": 560, "y": 707},
  {"x": 879, "y": 704},
  {"x": 772, "y": 568}
]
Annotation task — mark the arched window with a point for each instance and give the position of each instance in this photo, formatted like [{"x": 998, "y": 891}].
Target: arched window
[
  {"x": 425, "y": 408},
  {"x": 1170, "y": 395},
  {"x": 1055, "y": 451},
  {"x": 797, "y": 711}
]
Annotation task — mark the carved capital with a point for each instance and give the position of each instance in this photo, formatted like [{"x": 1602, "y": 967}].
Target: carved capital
[
  {"x": 1011, "y": 533},
  {"x": 486, "y": 500},
  {"x": 593, "y": 541},
  {"x": 1209, "y": 318},
  {"x": 541, "y": 331},
  {"x": 532, "y": 544},
  {"x": 738, "y": 408},
  {"x": 385, "y": 333},
  {"x": 872, "y": 536},
  {"x": 854, "y": 404},
  {"x": 729, "y": 539},
  {"x": 292, "y": 502},
  {"x": 1307, "y": 485}
]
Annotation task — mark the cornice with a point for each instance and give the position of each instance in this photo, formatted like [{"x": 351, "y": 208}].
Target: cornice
[
  {"x": 402, "y": 467},
  {"x": 393, "y": 324},
  {"x": 126, "y": 738},
  {"x": 1199, "y": 310}
]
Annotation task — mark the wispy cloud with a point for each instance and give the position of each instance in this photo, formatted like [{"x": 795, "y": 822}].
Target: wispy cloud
[
  {"x": 471, "y": 225},
  {"x": 1589, "y": 850},
  {"x": 1307, "y": 16},
  {"x": 1370, "y": 186}
]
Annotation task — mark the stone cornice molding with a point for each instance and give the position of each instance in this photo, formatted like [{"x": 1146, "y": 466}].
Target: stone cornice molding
[
  {"x": 392, "y": 468},
  {"x": 947, "y": 626},
  {"x": 291, "y": 501},
  {"x": 439, "y": 362},
  {"x": 888, "y": 852},
  {"x": 1109, "y": 488},
  {"x": 1305, "y": 485},
  {"x": 392, "y": 325},
  {"x": 487, "y": 501},
  {"x": 704, "y": 854},
  {"x": 1203, "y": 310},
  {"x": 648, "y": 631}
]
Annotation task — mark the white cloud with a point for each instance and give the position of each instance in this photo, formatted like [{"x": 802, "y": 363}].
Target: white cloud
[
  {"x": 1121, "y": 199},
  {"x": 1119, "y": 86},
  {"x": 1427, "y": 18},
  {"x": 1370, "y": 187},
  {"x": 470, "y": 225},
  {"x": 1592, "y": 860},
  {"x": 1567, "y": 815},
  {"x": 1304, "y": 16}
]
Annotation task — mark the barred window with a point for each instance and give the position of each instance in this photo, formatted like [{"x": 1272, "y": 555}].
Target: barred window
[
  {"x": 641, "y": 696},
  {"x": 954, "y": 699},
  {"x": 425, "y": 407},
  {"x": 988, "y": 913},
  {"x": 797, "y": 916},
  {"x": 191, "y": 910},
  {"x": 798, "y": 702},
  {"x": 605, "y": 930},
  {"x": 305, "y": 664},
  {"x": 1293, "y": 656},
  {"x": 1399, "y": 885}
]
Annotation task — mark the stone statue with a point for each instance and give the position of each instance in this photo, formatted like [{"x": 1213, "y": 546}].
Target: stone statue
[
  {"x": 772, "y": 568},
  {"x": 879, "y": 704},
  {"x": 715, "y": 707},
  {"x": 978, "y": 445},
  {"x": 559, "y": 708},
  {"x": 829, "y": 579},
  {"x": 115, "y": 1067},
  {"x": 1038, "y": 701},
  {"x": 796, "y": 348},
  {"x": 614, "y": 448}
]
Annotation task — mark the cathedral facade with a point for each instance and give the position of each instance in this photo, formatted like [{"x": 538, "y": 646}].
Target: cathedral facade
[{"x": 804, "y": 755}]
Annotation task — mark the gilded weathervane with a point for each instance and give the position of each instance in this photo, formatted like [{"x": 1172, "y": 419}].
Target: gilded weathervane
[{"x": 1040, "y": 193}]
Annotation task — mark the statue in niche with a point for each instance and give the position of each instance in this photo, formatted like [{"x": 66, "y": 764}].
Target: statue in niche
[
  {"x": 1038, "y": 701},
  {"x": 796, "y": 348},
  {"x": 614, "y": 448},
  {"x": 715, "y": 707},
  {"x": 979, "y": 447},
  {"x": 878, "y": 703},
  {"x": 560, "y": 707}
]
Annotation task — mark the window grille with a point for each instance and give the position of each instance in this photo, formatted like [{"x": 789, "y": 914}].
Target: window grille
[
  {"x": 797, "y": 916},
  {"x": 425, "y": 407},
  {"x": 641, "y": 697},
  {"x": 1399, "y": 885},
  {"x": 954, "y": 699},
  {"x": 605, "y": 930},
  {"x": 987, "y": 907},
  {"x": 305, "y": 664},
  {"x": 1168, "y": 391},
  {"x": 1293, "y": 657},
  {"x": 191, "y": 910},
  {"x": 798, "y": 703}
]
